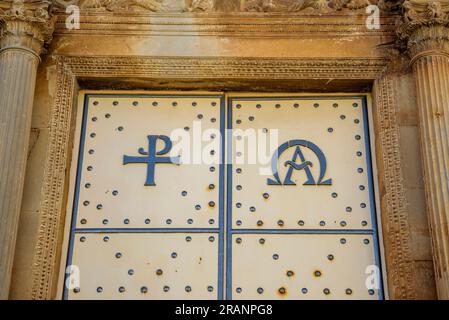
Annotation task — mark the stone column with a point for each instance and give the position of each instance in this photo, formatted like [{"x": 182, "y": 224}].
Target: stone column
[
  {"x": 426, "y": 32},
  {"x": 24, "y": 28}
]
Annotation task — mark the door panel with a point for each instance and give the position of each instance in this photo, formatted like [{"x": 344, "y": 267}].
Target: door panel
[{"x": 150, "y": 220}]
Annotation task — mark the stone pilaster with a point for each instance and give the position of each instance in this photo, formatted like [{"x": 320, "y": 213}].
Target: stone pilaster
[
  {"x": 426, "y": 31},
  {"x": 24, "y": 28}
]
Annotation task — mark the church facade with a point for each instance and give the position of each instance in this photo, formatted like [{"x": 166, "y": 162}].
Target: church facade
[{"x": 224, "y": 149}]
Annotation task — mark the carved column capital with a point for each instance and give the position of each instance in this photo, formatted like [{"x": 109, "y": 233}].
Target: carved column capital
[
  {"x": 425, "y": 27},
  {"x": 25, "y": 25}
]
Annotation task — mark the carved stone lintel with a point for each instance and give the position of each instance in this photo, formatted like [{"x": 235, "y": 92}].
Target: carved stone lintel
[
  {"x": 25, "y": 25},
  {"x": 425, "y": 26}
]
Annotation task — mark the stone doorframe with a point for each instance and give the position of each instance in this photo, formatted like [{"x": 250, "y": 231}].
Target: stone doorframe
[{"x": 72, "y": 69}]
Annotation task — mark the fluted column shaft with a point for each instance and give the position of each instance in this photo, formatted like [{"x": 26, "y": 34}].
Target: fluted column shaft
[
  {"x": 24, "y": 29},
  {"x": 17, "y": 81},
  {"x": 432, "y": 81}
]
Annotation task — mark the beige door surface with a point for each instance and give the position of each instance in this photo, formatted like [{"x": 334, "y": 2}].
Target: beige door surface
[{"x": 150, "y": 220}]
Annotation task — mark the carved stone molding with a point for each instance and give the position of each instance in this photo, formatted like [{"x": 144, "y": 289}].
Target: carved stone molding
[
  {"x": 425, "y": 27},
  {"x": 70, "y": 69},
  {"x": 25, "y": 25}
]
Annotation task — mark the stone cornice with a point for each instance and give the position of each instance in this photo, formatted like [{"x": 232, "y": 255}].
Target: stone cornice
[
  {"x": 425, "y": 27},
  {"x": 25, "y": 25}
]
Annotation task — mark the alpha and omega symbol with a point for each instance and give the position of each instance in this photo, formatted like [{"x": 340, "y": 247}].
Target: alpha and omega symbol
[
  {"x": 302, "y": 165},
  {"x": 151, "y": 158}
]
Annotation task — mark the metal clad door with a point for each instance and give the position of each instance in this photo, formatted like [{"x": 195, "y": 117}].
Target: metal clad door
[
  {"x": 136, "y": 238},
  {"x": 149, "y": 224},
  {"x": 308, "y": 229}
]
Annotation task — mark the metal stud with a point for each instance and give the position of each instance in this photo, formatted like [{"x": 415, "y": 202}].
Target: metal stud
[
  {"x": 317, "y": 273},
  {"x": 290, "y": 273},
  {"x": 159, "y": 272},
  {"x": 366, "y": 241},
  {"x": 260, "y": 223},
  {"x": 238, "y": 240},
  {"x": 280, "y": 223},
  {"x": 239, "y": 170},
  {"x": 105, "y": 221},
  {"x": 211, "y": 221},
  {"x": 296, "y": 105},
  {"x": 251, "y": 118},
  {"x": 259, "y": 290},
  {"x": 135, "y": 103},
  {"x": 330, "y": 130},
  {"x": 76, "y": 290},
  {"x": 238, "y": 106},
  {"x": 343, "y": 223},
  {"x": 371, "y": 292},
  {"x": 258, "y": 106},
  {"x": 118, "y": 255},
  {"x": 252, "y": 209},
  {"x": 348, "y": 291},
  {"x": 200, "y": 116},
  {"x": 262, "y": 241},
  {"x": 147, "y": 221},
  {"x": 335, "y": 105},
  {"x": 282, "y": 290},
  {"x": 86, "y": 203},
  {"x": 188, "y": 238},
  {"x": 91, "y": 151},
  {"x": 364, "y": 223},
  {"x": 83, "y": 239},
  {"x": 238, "y": 290},
  {"x": 211, "y": 239},
  {"x": 277, "y": 106},
  {"x": 362, "y": 188},
  {"x": 301, "y": 223},
  {"x": 356, "y": 121},
  {"x": 358, "y": 137},
  {"x": 343, "y": 241},
  {"x": 115, "y": 103},
  {"x": 99, "y": 207},
  {"x": 131, "y": 272},
  {"x": 363, "y": 205},
  {"x": 168, "y": 221},
  {"x": 266, "y": 195},
  {"x": 360, "y": 170},
  {"x": 322, "y": 223},
  {"x": 330, "y": 257},
  {"x": 99, "y": 289},
  {"x": 197, "y": 207},
  {"x": 334, "y": 195},
  {"x": 238, "y": 222},
  {"x": 106, "y": 239},
  {"x": 90, "y": 168},
  {"x": 238, "y": 205},
  {"x": 342, "y": 117},
  {"x": 355, "y": 105},
  {"x": 304, "y": 290},
  {"x": 174, "y": 255},
  {"x": 115, "y": 193},
  {"x": 213, "y": 104},
  {"x": 126, "y": 221},
  {"x": 83, "y": 221},
  {"x": 211, "y": 204},
  {"x": 326, "y": 291},
  {"x": 107, "y": 115},
  {"x": 94, "y": 119},
  {"x": 95, "y": 103},
  {"x": 144, "y": 290},
  {"x": 275, "y": 256},
  {"x": 239, "y": 188},
  {"x": 212, "y": 169},
  {"x": 189, "y": 221},
  {"x": 166, "y": 288},
  {"x": 210, "y": 289},
  {"x": 87, "y": 185},
  {"x": 239, "y": 121},
  {"x": 348, "y": 209},
  {"x": 120, "y": 128},
  {"x": 213, "y": 120},
  {"x": 359, "y": 153},
  {"x": 211, "y": 186},
  {"x": 194, "y": 104},
  {"x": 188, "y": 289},
  {"x": 316, "y": 105},
  {"x": 174, "y": 104},
  {"x": 155, "y": 104}
]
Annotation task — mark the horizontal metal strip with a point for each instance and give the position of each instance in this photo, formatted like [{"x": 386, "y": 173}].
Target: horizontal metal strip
[
  {"x": 301, "y": 231},
  {"x": 148, "y": 230}
]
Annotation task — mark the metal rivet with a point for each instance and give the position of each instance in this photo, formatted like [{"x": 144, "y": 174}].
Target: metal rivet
[
  {"x": 277, "y": 106},
  {"x": 144, "y": 290},
  {"x": 211, "y": 204},
  {"x": 186, "y": 128},
  {"x": 238, "y": 222},
  {"x": 357, "y": 137},
  {"x": 238, "y": 121},
  {"x": 83, "y": 239},
  {"x": 174, "y": 104},
  {"x": 212, "y": 169},
  {"x": 259, "y": 290},
  {"x": 210, "y": 289},
  {"x": 147, "y": 221},
  {"x": 330, "y": 130},
  {"x": 118, "y": 255},
  {"x": 252, "y": 209},
  {"x": 90, "y": 168},
  {"x": 135, "y": 103},
  {"x": 342, "y": 240},
  {"x": 131, "y": 272},
  {"x": 194, "y": 104},
  {"x": 184, "y": 193},
  {"x": 326, "y": 291},
  {"x": 262, "y": 241},
  {"x": 334, "y": 195},
  {"x": 99, "y": 289},
  {"x": 211, "y": 221},
  {"x": 260, "y": 223},
  {"x": 296, "y": 105},
  {"x": 348, "y": 292},
  {"x": 83, "y": 221},
  {"x": 330, "y": 257},
  {"x": 360, "y": 170},
  {"x": 280, "y": 223},
  {"x": 335, "y": 105},
  {"x": 166, "y": 288},
  {"x": 362, "y": 188},
  {"x": 238, "y": 170},
  {"x": 94, "y": 119},
  {"x": 106, "y": 239},
  {"x": 188, "y": 238},
  {"x": 213, "y": 104},
  {"x": 115, "y": 103},
  {"x": 364, "y": 223},
  {"x": 301, "y": 223},
  {"x": 174, "y": 255},
  {"x": 316, "y": 105},
  {"x": 87, "y": 185},
  {"x": 275, "y": 256},
  {"x": 348, "y": 209},
  {"x": 91, "y": 151},
  {"x": 238, "y": 205},
  {"x": 266, "y": 195},
  {"x": 355, "y": 105},
  {"x": 212, "y": 152},
  {"x": 363, "y": 205},
  {"x": 76, "y": 290},
  {"x": 159, "y": 272},
  {"x": 211, "y": 239},
  {"x": 322, "y": 223},
  {"x": 213, "y": 120},
  {"x": 155, "y": 104},
  {"x": 239, "y": 188},
  {"x": 213, "y": 136},
  {"x": 304, "y": 290},
  {"x": 238, "y": 240},
  {"x": 120, "y": 129},
  {"x": 190, "y": 221},
  {"x": 95, "y": 103},
  {"x": 238, "y": 106},
  {"x": 366, "y": 241},
  {"x": 371, "y": 292},
  {"x": 126, "y": 221},
  {"x": 290, "y": 273},
  {"x": 168, "y": 221},
  {"x": 258, "y": 106},
  {"x": 211, "y": 186},
  {"x": 282, "y": 290},
  {"x": 356, "y": 121},
  {"x": 251, "y": 118},
  {"x": 188, "y": 288},
  {"x": 317, "y": 273},
  {"x": 200, "y": 116},
  {"x": 115, "y": 193},
  {"x": 99, "y": 207},
  {"x": 359, "y": 153},
  {"x": 343, "y": 223},
  {"x": 342, "y": 117},
  {"x": 197, "y": 207},
  {"x": 238, "y": 290},
  {"x": 86, "y": 203}
]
